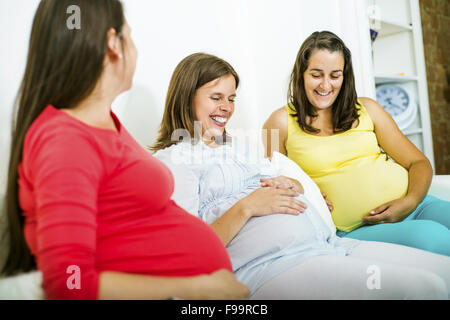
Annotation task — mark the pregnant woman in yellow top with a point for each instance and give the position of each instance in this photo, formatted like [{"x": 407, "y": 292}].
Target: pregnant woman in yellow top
[{"x": 346, "y": 143}]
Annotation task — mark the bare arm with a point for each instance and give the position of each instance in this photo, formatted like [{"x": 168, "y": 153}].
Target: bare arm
[
  {"x": 231, "y": 222},
  {"x": 274, "y": 133},
  {"x": 221, "y": 284},
  {"x": 405, "y": 153}
]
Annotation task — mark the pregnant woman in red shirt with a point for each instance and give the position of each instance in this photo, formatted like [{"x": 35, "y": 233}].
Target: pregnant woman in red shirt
[{"x": 82, "y": 194}]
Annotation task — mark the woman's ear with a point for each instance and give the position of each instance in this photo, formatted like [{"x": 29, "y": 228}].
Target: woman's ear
[{"x": 114, "y": 50}]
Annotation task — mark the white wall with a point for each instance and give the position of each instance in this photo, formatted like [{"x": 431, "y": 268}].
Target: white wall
[
  {"x": 259, "y": 38},
  {"x": 16, "y": 17}
]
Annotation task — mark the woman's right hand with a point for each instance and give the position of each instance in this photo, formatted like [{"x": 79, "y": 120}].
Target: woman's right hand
[
  {"x": 270, "y": 200},
  {"x": 220, "y": 285}
]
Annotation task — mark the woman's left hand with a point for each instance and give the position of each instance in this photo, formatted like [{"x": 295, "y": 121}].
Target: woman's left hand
[
  {"x": 392, "y": 211},
  {"x": 282, "y": 182}
]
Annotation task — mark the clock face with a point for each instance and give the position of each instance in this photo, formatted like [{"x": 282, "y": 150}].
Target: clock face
[
  {"x": 399, "y": 103},
  {"x": 393, "y": 99}
]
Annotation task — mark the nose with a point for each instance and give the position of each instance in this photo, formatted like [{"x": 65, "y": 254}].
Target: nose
[
  {"x": 226, "y": 106},
  {"x": 325, "y": 84}
]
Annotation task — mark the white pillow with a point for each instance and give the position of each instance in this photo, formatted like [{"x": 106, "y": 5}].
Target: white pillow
[
  {"x": 185, "y": 192},
  {"x": 287, "y": 167}
]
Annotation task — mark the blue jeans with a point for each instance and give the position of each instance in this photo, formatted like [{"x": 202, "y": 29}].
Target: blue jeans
[{"x": 426, "y": 228}]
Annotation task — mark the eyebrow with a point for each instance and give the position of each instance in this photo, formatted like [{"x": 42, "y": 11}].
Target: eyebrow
[
  {"x": 221, "y": 94},
  {"x": 320, "y": 70}
]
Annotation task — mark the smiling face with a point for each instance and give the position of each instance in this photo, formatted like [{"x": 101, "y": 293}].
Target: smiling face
[
  {"x": 324, "y": 77},
  {"x": 214, "y": 105}
]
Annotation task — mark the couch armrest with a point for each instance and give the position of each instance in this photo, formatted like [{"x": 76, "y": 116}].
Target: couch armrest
[{"x": 440, "y": 187}]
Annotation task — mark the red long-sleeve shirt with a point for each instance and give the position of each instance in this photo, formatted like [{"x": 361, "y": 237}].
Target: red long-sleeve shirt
[{"x": 95, "y": 199}]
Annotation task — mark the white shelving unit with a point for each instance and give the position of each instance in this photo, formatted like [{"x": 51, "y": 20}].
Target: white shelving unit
[{"x": 398, "y": 58}]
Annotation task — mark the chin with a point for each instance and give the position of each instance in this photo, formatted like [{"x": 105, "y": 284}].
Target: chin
[{"x": 324, "y": 104}]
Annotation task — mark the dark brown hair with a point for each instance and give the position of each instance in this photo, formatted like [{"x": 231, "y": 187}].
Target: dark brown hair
[
  {"x": 191, "y": 73},
  {"x": 63, "y": 67},
  {"x": 344, "y": 107}
]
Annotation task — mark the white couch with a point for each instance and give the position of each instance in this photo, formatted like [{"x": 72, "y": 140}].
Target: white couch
[
  {"x": 440, "y": 187},
  {"x": 28, "y": 286}
]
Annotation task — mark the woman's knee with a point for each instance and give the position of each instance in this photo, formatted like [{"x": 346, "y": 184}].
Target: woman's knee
[
  {"x": 421, "y": 234},
  {"x": 434, "y": 209}
]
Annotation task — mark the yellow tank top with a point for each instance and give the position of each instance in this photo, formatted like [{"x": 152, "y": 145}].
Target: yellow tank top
[{"x": 349, "y": 167}]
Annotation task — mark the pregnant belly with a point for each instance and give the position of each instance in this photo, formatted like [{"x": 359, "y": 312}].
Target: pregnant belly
[
  {"x": 356, "y": 190},
  {"x": 271, "y": 235}
]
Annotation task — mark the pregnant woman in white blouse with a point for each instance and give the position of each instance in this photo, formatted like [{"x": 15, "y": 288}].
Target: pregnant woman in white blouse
[{"x": 279, "y": 245}]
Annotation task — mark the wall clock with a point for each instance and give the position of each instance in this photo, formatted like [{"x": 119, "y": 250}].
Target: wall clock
[{"x": 398, "y": 102}]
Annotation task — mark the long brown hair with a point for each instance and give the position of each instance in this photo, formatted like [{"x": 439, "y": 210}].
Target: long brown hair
[
  {"x": 191, "y": 73},
  {"x": 344, "y": 107},
  {"x": 63, "y": 67}
]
